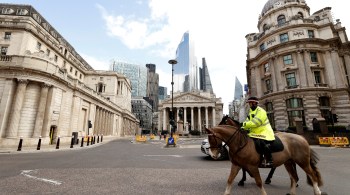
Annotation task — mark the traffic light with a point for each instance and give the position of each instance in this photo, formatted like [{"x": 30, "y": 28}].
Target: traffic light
[
  {"x": 335, "y": 118},
  {"x": 89, "y": 124}
]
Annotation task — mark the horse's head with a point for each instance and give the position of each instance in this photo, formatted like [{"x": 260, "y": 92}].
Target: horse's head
[
  {"x": 215, "y": 144},
  {"x": 226, "y": 120}
]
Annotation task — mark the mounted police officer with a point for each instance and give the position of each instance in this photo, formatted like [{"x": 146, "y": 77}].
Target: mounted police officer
[{"x": 258, "y": 125}]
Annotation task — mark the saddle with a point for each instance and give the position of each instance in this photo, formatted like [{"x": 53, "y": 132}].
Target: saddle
[{"x": 275, "y": 146}]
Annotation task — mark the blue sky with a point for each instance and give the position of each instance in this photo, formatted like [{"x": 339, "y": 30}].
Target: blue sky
[{"x": 148, "y": 31}]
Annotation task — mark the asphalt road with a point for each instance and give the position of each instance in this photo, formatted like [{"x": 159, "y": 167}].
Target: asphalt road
[{"x": 122, "y": 167}]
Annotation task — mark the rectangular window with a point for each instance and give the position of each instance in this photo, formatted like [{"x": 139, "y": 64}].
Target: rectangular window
[
  {"x": 4, "y": 50},
  {"x": 71, "y": 69},
  {"x": 288, "y": 59},
  {"x": 48, "y": 52},
  {"x": 294, "y": 103},
  {"x": 266, "y": 67},
  {"x": 313, "y": 56},
  {"x": 56, "y": 58},
  {"x": 291, "y": 81},
  {"x": 284, "y": 37},
  {"x": 76, "y": 73},
  {"x": 317, "y": 77},
  {"x": 7, "y": 36},
  {"x": 268, "y": 85},
  {"x": 311, "y": 33},
  {"x": 262, "y": 47},
  {"x": 38, "y": 45}
]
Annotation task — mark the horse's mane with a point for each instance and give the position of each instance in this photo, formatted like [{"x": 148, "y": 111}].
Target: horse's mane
[{"x": 226, "y": 117}]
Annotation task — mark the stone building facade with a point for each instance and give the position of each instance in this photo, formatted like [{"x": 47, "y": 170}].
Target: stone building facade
[
  {"x": 298, "y": 65},
  {"x": 200, "y": 110},
  {"x": 47, "y": 89}
]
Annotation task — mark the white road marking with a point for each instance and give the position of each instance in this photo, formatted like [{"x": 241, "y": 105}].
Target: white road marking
[
  {"x": 26, "y": 173},
  {"x": 177, "y": 156}
]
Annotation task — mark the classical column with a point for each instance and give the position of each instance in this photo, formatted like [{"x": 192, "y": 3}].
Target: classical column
[
  {"x": 192, "y": 119},
  {"x": 38, "y": 128},
  {"x": 164, "y": 121},
  {"x": 277, "y": 63},
  {"x": 97, "y": 120},
  {"x": 199, "y": 120},
  {"x": 347, "y": 65},
  {"x": 177, "y": 114},
  {"x": 258, "y": 82},
  {"x": 308, "y": 73},
  {"x": 329, "y": 69},
  {"x": 337, "y": 70},
  {"x": 273, "y": 74},
  {"x": 206, "y": 117},
  {"x": 301, "y": 66},
  {"x": 17, "y": 107},
  {"x": 214, "y": 114},
  {"x": 185, "y": 119}
]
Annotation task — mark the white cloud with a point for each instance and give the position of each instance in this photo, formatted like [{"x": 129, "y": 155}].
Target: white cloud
[{"x": 97, "y": 64}]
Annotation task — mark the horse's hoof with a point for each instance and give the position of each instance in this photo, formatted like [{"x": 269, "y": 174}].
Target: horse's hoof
[
  {"x": 267, "y": 181},
  {"x": 297, "y": 185},
  {"x": 241, "y": 183},
  {"x": 324, "y": 193}
]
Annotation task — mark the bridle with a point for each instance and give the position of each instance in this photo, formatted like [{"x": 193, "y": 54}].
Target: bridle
[{"x": 228, "y": 142}]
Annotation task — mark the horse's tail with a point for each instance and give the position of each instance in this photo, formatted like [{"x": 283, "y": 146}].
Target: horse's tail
[{"x": 313, "y": 161}]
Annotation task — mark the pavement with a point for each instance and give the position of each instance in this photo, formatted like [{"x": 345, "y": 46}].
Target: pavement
[{"x": 64, "y": 146}]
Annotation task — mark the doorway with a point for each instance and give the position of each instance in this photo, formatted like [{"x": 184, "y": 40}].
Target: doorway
[{"x": 53, "y": 134}]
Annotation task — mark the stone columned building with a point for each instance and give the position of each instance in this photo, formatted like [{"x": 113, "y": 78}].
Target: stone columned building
[
  {"x": 47, "y": 89},
  {"x": 298, "y": 65},
  {"x": 200, "y": 109}
]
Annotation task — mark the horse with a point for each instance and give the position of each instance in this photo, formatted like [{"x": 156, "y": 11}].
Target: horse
[
  {"x": 226, "y": 120},
  {"x": 243, "y": 154}
]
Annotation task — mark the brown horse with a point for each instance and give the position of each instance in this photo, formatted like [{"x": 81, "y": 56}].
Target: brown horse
[
  {"x": 226, "y": 120},
  {"x": 243, "y": 154}
]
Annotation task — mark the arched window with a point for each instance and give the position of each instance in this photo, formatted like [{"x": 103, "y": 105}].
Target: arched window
[
  {"x": 265, "y": 27},
  {"x": 281, "y": 20},
  {"x": 301, "y": 16}
]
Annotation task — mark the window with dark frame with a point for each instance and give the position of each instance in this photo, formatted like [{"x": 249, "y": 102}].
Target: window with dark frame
[
  {"x": 291, "y": 81},
  {"x": 311, "y": 33},
  {"x": 317, "y": 75},
  {"x": 4, "y": 50},
  {"x": 262, "y": 47},
  {"x": 295, "y": 110},
  {"x": 284, "y": 37},
  {"x": 268, "y": 85},
  {"x": 270, "y": 114},
  {"x": 7, "y": 36},
  {"x": 287, "y": 59},
  {"x": 266, "y": 67},
  {"x": 313, "y": 57}
]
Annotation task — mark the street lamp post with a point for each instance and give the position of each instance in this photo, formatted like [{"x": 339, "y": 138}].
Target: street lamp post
[{"x": 172, "y": 122}]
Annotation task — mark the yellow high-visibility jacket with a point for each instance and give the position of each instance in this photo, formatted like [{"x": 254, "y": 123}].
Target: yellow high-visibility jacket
[{"x": 258, "y": 125}]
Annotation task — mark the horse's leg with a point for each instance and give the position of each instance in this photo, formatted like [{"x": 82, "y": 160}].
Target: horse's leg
[
  {"x": 313, "y": 178},
  {"x": 268, "y": 179},
  {"x": 256, "y": 174},
  {"x": 233, "y": 174},
  {"x": 291, "y": 169},
  {"x": 244, "y": 178}
]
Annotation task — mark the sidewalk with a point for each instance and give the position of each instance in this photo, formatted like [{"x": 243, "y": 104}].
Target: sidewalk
[{"x": 64, "y": 146}]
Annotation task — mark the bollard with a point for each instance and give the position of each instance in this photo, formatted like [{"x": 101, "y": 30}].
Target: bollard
[
  {"x": 72, "y": 142},
  {"x": 39, "y": 143},
  {"x": 92, "y": 140},
  {"x": 20, "y": 144},
  {"x": 98, "y": 138},
  {"x": 58, "y": 143},
  {"x": 101, "y": 137},
  {"x": 88, "y": 141},
  {"x": 82, "y": 141}
]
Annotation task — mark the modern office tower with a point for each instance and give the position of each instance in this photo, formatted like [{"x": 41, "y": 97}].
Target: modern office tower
[
  {"x": 48, "y": 90},
  {"x": 204, "y": 78},
  {"x": 162, "y": 93},
  {"x": 137, "y": 75},
  {"x": 298, "y": 65},
  {"x": 238, "y": 90},
  {"x": 186, "y": 66},
  {"x": 152, "y": 85},
  {"x": 142, "y": 109}
]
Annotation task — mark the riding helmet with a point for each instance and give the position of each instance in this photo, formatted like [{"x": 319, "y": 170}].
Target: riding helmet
[{"x": 253, "y": 99}]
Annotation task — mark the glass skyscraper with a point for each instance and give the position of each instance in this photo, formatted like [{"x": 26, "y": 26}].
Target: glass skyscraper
[
  {"x": 137, "y": 75},
  {"x": 185, "y": 71},
  {"x": 238, "y": 90}
]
